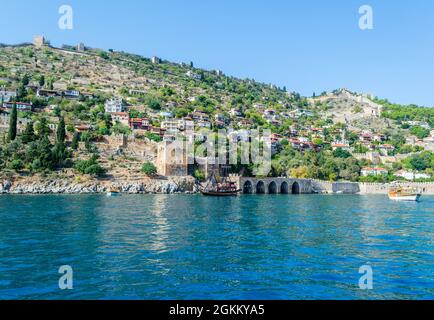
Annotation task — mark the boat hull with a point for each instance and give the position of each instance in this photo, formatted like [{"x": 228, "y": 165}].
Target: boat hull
[
  {"x": 412, "y": 197},
  {"x": 220, "y": 194},
  {"x": 113, "y": 194}
]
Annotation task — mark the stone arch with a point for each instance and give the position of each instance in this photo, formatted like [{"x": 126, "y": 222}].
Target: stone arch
[
  {"x": 260, "y": 187},
  {"x": 284, "y": 188},
  {"x": 272, "y": 188},
  {"x": 295, "y": 188},
  {"x": 248, "y": 187}
]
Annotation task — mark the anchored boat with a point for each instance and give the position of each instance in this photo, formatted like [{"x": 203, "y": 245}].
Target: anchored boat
[
  {"x": 113, "y": 192},
  {"x": 223, "y": 188},
  {"x": 404, "y": 194}
]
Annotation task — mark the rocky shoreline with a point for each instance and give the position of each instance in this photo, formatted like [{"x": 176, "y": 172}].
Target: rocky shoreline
[{"x": 151, "y": 186}]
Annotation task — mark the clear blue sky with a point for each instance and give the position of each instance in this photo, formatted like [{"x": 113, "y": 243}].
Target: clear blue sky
[{"x": 307, "y": 46}]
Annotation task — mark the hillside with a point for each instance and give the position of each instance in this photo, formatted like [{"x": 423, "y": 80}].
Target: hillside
[{"x": 99, "y": 96}]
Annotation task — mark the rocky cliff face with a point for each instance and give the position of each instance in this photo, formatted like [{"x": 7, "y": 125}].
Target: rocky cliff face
[{"x": 171, "y": 185}]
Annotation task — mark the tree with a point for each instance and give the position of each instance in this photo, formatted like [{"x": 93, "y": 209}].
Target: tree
[
  {"x": 104, "y": 55},
  {"x": 341, "y": 153},
  {"x": 21, "y": 91},
  {"x": 419, "y": 132},
  {"x": 44, "y": 153},
  {"x": 42, "y": 127},
  {"x": 25, "y": 80},
  {"x": 42, "y": 80},
  {"x": 75, "y": 140},
  {"x": 300, "y": 172},
  {"x": 16, "y": 164},
  {"x": 149, "y": 169},
  {"x": 12, "y": 134},
  {"x": 421, "y": 161},
  {"x": 154, "y": 103},
  {"x": 61, "y": 131},
  {"x": 29, "y": 133}
]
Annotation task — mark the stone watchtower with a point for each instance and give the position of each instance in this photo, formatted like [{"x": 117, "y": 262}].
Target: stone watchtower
[
  {"x": 39, "y": 41},
  {"x": 172, "y": 159}
]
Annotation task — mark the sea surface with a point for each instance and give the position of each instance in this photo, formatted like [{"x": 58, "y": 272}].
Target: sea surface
[{"x": 194, "y": 247}]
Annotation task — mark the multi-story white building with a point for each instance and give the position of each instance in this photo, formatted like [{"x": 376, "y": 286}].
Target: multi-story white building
[
  {"x": 114, "y": 105},
  {"x": 171, "y": 126},
  {"x": 176, "y": 125}
]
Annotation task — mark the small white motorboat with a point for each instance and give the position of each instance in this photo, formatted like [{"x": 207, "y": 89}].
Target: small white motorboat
[
  {"x": 114, "y": 193},
  {"x": 404, "y": 194}
]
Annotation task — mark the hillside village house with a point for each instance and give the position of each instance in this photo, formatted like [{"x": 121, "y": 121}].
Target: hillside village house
[
  {"x": 220, "y": 117},
  {"x": 219, "y": 124},
  {"x": 71, "y": 94},
  {"x": 422, "y": 124},
  {"x": 20, "y": 106},
  {"x": 171, "y": 126},
  {"x": 199, "y": 116},
  {"x": 166, "y": 114},
  {"x": 295, "y": 114},
  {"x": 176, "y": 125},
  {"x": 135, "y": 92},
  {"x": 408, "y": 175},
  {"x": 204, "y": 124},
  {"x": 7, "y": 96},
  {"x": 114, "y": 105},
  {"x": 158, "y": 131},
  {"x": 193, "y": 75},
  {"x": 139, "y": 124},
  {"x": 4, "y": 122},
  {"x": 81, "y": 127},
  {"x": 186, "y": 124},
  {"x": 48, "y": 93},
  {"x": 374, "y": 172},
  {"x": 235, "y": 113},
  {"x": 121, "y": 117},
  {"x": 344, "y": 145},
  {"x": 386, "y": 148},
  {"x": 244, "y": 123}
]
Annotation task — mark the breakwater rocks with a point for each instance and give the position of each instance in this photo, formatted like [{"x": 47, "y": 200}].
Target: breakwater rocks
[{"x": 163, "y": 186}]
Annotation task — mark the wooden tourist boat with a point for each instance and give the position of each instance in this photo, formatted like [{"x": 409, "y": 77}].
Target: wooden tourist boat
[{"x": 223, "y": 188}]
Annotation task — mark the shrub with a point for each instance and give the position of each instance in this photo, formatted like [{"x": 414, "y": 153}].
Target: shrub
[
  {"x": 90, "y": 166},
  {"x": 16, "y": 164},
  {"x": 149, "y": 169},
  {"x": 199, "y": 175},
  {"x": 153, "y": 137}
]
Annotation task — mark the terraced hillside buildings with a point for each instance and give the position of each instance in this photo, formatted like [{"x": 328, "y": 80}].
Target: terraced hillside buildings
[{"x": 102, "y": 94}]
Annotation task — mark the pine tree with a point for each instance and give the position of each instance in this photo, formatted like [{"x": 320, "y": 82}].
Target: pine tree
[
  {"x": 59, "y": 151},
  {"x": 29, "y": 133},
  {"x": 42, "y": 128},
  {"x": 61, "y": 132},
  {"x": 45, "y": 155},
  {"x": 12, "y": 134},
  {"x": 42, "y": 80},
  {"x": 75, "y": 139}
]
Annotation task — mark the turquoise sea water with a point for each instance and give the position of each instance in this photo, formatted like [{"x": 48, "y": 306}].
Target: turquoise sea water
[{"x": 194, "y": 247}]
